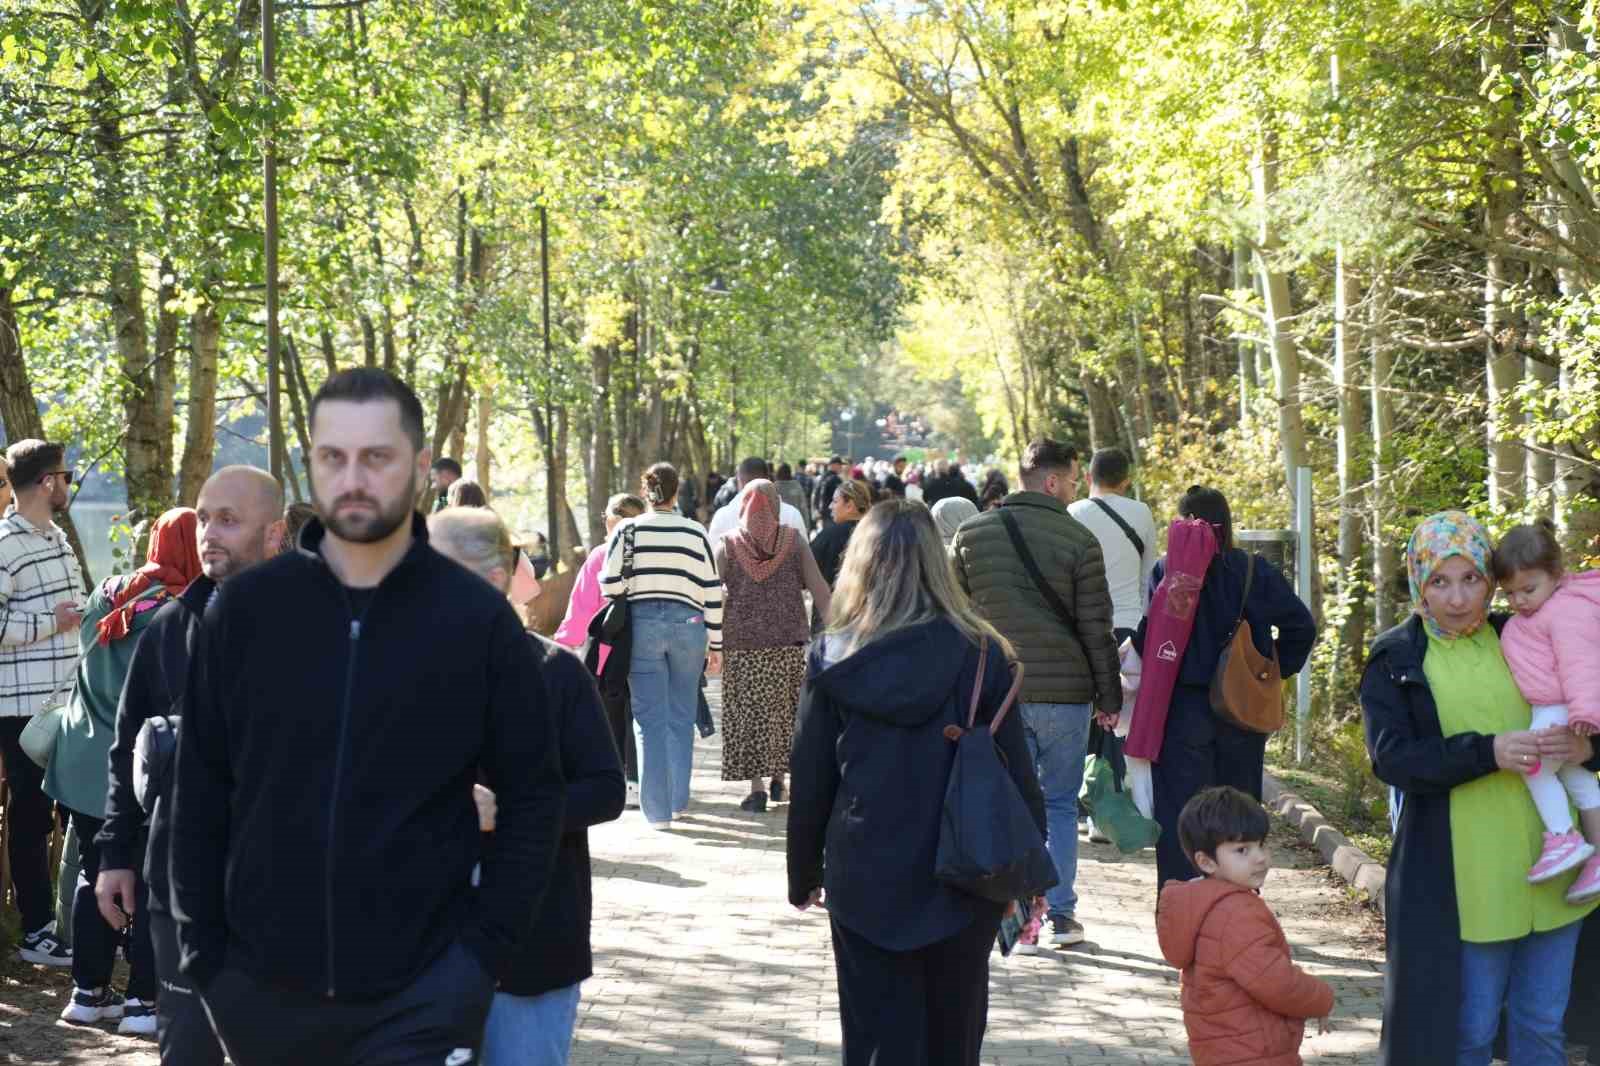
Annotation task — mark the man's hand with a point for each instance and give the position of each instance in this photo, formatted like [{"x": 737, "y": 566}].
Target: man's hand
[
  {"x": 114, "y": 888},
  {"x": 813, "y": 900},
  {"x": 486, "y": 808},
  {"x": 1108, "y": 720},
  {"x": 714, "y": 663},
  {"x": 1324, "y": 1026},
  {"x": 68, "y": 617}
]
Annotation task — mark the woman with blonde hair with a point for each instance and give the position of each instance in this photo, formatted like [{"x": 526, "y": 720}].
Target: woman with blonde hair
[{"x": 895, "y": 668}]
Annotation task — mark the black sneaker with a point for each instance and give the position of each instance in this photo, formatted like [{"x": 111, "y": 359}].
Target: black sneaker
[
  {"x": 90, "y": 1005},
  {"x": 138, "y": 1017},
  {"x": 41, "y": 948},
  {"x": 756, "y": 802},
  {"x": 778, "y": 791},
  {"x": 1065, "y": 932}
]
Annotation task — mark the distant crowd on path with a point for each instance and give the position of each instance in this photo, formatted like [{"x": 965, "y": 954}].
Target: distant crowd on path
[{"x": 422, "y": 893}]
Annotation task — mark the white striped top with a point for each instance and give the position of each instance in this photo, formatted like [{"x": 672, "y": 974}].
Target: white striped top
[{"x": 672, "y": 560}]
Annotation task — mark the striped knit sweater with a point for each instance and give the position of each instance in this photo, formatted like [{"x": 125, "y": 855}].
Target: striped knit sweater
[{"x": 672, "y": 561}]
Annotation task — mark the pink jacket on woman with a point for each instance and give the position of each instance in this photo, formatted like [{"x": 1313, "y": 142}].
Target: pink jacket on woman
[
  {"x": 1554, "y": 653},
  {"x": 585, "y": 604}
]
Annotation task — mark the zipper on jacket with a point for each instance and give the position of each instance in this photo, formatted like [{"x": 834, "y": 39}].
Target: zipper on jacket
[{"x": 338, "y": 777}]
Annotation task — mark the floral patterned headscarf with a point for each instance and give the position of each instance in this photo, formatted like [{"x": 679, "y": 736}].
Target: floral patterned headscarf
[{"x": 1440, "y": 537}]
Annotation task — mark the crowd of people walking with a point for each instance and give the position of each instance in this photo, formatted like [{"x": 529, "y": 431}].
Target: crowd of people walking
[{"x": 422, "y": 894}]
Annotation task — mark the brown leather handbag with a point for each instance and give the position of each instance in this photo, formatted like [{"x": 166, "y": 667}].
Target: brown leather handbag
[{"x": 1247, "y": 689}]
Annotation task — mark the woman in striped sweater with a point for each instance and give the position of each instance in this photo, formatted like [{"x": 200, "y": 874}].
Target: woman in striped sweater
[{"x": 675, "y": 609}]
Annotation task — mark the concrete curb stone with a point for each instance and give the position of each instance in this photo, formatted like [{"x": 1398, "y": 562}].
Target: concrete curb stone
[{"x": 1348, "y": 861}]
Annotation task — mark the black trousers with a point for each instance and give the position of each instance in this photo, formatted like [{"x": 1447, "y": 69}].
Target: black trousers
[
  {"x": 94, "y": 943},
  {"x": 28, "y": 810},
  {"x": 436, "y": 1021},
  {"x": 619, "y": 715},
  {"x": 927, "y": 1007},
  {"x": 1199, "y": 751},
  {"x": 182, "y": 1027}
]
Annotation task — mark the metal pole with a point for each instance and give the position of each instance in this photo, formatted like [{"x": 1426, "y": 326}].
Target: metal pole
[
  {"x": 553, "y": 505},
  {"x": 269, "y": 175},
  {"x": 1305, "y": 567}
]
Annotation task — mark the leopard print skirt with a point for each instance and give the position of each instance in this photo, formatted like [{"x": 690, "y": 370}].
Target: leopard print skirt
[{"x": 760, "y": 698}]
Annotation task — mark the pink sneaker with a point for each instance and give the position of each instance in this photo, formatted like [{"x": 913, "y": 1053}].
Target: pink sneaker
[
  {"x": 1587, "y": 886},
  {"x": 1562, "y": 851}
]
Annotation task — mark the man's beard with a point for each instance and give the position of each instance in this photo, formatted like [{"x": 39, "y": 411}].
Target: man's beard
[
  {"x": 371, "y": 526},
  {"x": 232, "y": 564}
]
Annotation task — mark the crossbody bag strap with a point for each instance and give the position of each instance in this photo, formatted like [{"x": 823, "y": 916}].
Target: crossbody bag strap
[
  {"x": 977, "y": 681},
  {"x": 1050, "y": 595},
  {"x": 1249, "y": 574},
  {"x": 1138, "y": 544}
]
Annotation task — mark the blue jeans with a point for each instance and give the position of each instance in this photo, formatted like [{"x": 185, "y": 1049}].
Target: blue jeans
[
  {"x": 1531, "y": 978},
  {"x": 531, "y": 1030},
  {"x": 1058, "y": 737},
  {"x": 669, "y": 653}
]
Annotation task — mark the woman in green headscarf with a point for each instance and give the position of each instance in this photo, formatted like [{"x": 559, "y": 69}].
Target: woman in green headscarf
[{"x": 1447, "y": 727}]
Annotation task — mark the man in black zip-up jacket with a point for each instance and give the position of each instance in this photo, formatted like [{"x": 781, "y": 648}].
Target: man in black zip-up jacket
[{"x": 342, "y": 700}]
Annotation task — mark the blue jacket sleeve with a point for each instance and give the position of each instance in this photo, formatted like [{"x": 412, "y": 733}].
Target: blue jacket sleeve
[
  {"x": 596, "y": 790},
  {"x": 814, "y": 775},
  {"x": 522, "y": 762},
  {"x": 119, "y": 836},
  {"x": 1273, "y": 603},
  {"x": 1406, "y": 758},
  {"x": 201, "y": 812}
]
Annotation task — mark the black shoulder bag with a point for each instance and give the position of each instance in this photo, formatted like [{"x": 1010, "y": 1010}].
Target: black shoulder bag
[
  {"x": 1050, "y": 595},
  {"x": 612, "y": 621},
  {"x": 1122, "y": 524}
]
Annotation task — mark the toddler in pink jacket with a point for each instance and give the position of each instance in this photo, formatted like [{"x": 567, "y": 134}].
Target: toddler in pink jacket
[{"x": 1553, "y": 648}]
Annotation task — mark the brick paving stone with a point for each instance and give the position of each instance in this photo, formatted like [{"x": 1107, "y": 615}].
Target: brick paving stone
[{"x": 700, "y": 959}]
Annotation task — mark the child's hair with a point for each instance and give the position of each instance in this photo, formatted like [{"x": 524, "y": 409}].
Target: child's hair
[
  {"x": 1533, "y": 547},
  {"x": 1220, "y": 815}
]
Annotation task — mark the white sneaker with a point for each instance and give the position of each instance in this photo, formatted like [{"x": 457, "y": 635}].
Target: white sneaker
[
  {"x": 90, "y": 1005},
  {"x": 138, "y": 1018},
  {"x": 1095, "y": 836},
  {"x": 41, "y": 948},
  {"x": 632, "y": 802}
]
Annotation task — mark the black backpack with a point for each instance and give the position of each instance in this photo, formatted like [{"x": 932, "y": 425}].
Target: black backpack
[
  {"x": 989, "y": 844},
  {"x": 155, "y": 754}
]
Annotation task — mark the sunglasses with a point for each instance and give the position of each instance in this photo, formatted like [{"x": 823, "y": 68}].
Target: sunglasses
[{"x": 64, "y": 474}]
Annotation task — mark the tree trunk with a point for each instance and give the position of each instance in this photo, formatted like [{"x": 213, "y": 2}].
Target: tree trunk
[
  {"x": 569, "y": 523},
  {"x": 299, "y": 399},
  {"x": 1275, "y": 288},
  {"x": 601, "y": 462},
  {"x": 165, "y": 375},
  {"x": 1244, "y": 350},
  {"x": 1102, "y": 412},
  {"x": 1385, "y": 553},
  {"x": 1503, "y": 326},
  {"x": 1352, "y": 426},
  {"x": 19, "y": 409},
  {"x": 481, "y": 455},
  {"x": 200, "y": 436}
]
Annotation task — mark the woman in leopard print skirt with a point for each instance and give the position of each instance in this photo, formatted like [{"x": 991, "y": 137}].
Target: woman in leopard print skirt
[{"x": 765, "y": 568}]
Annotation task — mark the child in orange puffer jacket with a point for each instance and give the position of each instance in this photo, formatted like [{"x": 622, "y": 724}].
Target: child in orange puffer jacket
[{"x": 1244, "y": 1001}]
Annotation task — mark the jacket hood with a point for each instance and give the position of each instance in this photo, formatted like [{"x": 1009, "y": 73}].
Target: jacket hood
[
  {"x": 1184, "y": 906},
  {"x": 904, "y": 678}
]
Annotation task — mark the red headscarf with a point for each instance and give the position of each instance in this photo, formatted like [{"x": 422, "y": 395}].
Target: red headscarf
[
  {"x": 174, "y": 561},
  {"x": 762, "y": 541}
]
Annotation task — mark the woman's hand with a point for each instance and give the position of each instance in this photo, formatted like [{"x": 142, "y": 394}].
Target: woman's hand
[
  {"x": 1520, "y": 751},
  {"x": 813, "y": 900},
  {"x": 487, "y": 808},
  {"x": 1561, "y": 745},
  {"x": 713, "y": 663}
]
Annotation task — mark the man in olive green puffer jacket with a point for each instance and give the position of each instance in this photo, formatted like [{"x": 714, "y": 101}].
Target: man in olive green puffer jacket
[{"x": 1071, "y": 672}]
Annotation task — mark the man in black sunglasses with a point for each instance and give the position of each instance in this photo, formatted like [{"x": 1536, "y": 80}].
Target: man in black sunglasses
[{"x": 41, "y": 590}]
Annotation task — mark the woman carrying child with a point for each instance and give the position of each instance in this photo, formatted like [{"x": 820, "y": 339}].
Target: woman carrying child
[{"x": 1468, "y": 936}]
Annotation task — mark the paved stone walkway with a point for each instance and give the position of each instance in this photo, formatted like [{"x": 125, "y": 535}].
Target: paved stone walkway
[{"x": 700, "y": 961}]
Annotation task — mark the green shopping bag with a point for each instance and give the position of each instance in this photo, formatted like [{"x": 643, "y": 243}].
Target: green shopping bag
[{"x": 1111, "y": 806}]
